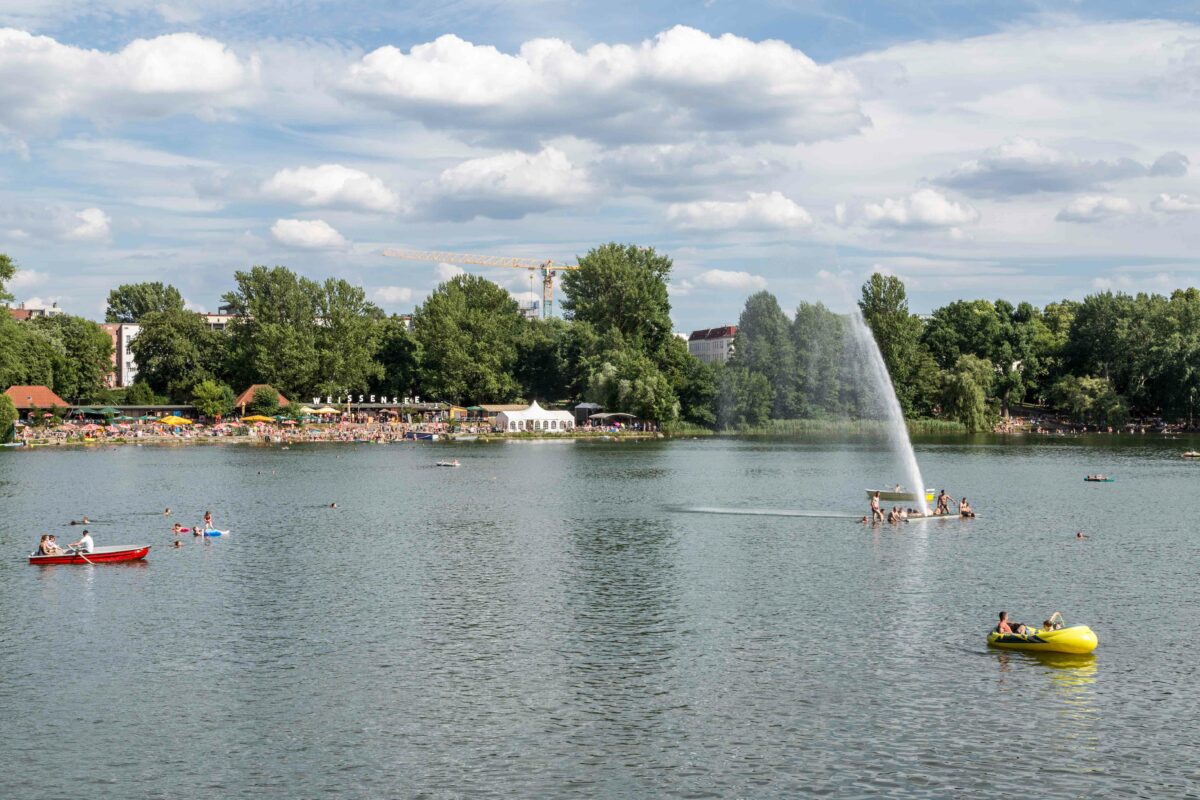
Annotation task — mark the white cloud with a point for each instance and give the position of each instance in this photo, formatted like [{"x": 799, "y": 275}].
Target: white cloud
[
  {"x": 682, "y": 81},
  {"x": 331, "y": 185},
  {"x": 1025, "y": 166},
  {"x": 27, "y": 279},
  {"x": 759, "y": 211},
  {"x": 311, "y": 234},
  {"x": 43, "y": 81},
  {"x": 923, "y": 209},
  {"x": 1175, "y": 203},
  {"x": 89, "y": 225},
  {"x": 508, "y": 186},
  {"x": 445, "y": 272},
  {"x": 676, "y": 170},
  {"x": 392, "y": 295},
  {"x": 1091, "y": 208},
  {"x": 731, "y": 279}
]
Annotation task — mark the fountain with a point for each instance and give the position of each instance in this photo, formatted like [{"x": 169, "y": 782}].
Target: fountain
[{"x": 867, "y": 355}]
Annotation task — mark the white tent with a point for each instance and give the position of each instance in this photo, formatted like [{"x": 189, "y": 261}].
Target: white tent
[{"x": 535, "y": 418}]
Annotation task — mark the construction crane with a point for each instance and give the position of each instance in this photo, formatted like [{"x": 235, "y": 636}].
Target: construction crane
[{"x": 546, "y": 268}]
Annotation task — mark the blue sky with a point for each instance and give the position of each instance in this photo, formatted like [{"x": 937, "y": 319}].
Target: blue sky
[{"x": 1033, "y": 150}]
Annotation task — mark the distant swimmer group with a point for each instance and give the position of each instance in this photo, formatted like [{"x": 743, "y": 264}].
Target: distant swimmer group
[{"x": 898, "y": 514}]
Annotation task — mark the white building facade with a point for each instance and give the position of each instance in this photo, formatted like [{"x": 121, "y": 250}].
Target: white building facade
[
  {"x": 125, "y": 369},
  {"x": 713, "y": 344}
]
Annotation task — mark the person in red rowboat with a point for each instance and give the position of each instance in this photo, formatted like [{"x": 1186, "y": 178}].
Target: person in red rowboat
[{"x": 85, "y": 543}]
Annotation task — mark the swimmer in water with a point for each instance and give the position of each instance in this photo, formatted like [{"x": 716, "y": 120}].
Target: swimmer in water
[
  {"x": 333, "y": 505},
  {"x": 166, "y": 512},
  {"x": 1080, "y": 535}
]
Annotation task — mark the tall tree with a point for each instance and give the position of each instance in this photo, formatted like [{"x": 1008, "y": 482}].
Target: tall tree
[
  {"x": 350, "y": 329},
  {"x": 744, "y": 399},
  {"x": 884, "y": 307},
  {"x": 399, "y": 357},
  {"x": 622, "y": 287},
  {"x": 8, "y": 418},
  {"x": 764, "y": 345},
  {"x": 542, "y": 365},
  {"x": 631, "y": 382},
  {"x": 130, "y": 302},
  {"x": 86, "y": 356},
  {"x": 818, "y": 335},
  {"x": 8, "y": 268},
  {"x": 175, "y": 351},
  {"x": 274, "y": 335},
  {"x": 964, "y": 391},
  {"x": 468, "y": 330}
]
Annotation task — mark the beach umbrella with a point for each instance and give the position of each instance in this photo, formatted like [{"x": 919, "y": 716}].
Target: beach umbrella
[
  {"x": 174, "y": 420},
  {"x": 257, "y": 418},
  {"x": 107, "y": 411},
  {"x": 326, "y": 411},
  {"x": 305, "y": 410},
  {"x": 289, "y": 422}
]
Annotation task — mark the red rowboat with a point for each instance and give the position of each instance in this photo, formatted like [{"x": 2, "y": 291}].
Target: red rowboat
[{"x": 99, "y": 555}]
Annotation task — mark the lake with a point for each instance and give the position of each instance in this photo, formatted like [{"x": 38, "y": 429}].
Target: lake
[{"x": 549, "y": 620}]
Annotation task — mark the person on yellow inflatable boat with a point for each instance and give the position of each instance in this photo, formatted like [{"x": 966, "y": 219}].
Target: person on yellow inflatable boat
[
  {"x": 1054, "y": 635},
  {"x": 1053, "y": 623}
]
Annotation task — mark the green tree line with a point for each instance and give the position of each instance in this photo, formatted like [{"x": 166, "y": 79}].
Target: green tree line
[{"x": 1097, "y": 360}]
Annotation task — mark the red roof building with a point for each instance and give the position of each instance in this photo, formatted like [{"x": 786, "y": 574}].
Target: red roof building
[
  {"x": 247, "y": 397},
  {"x": 27, "y": 397},
  {"x": 713, "y": 344}
]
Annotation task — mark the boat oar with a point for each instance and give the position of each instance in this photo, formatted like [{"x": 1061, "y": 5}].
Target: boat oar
[{"x": 79, "y": 553}]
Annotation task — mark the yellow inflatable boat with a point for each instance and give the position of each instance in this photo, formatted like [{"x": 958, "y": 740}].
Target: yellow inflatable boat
[{"x": 1075, "y": 639}]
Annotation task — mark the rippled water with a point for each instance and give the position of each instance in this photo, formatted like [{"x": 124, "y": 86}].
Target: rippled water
[{"x": 548, "y": 621}]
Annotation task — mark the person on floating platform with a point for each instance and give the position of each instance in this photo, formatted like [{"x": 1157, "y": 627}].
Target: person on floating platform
[
  {"x": 1053, "y": 623},
  {"x": 943, "y": 504},
  {"x": 876, "y": 511},
  {"x": 965, "y": 510}
]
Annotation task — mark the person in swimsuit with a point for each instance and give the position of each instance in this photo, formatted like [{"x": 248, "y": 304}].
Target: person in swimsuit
[
  {"x": 876, "y": 511},
  {"x": 208, "y": 526},
  {"x": 943, "y": 504},
  {"x": 1007, "y": 627},
  {"x": 1053, "y": 623},
  {"x": 964, "y": 509}
]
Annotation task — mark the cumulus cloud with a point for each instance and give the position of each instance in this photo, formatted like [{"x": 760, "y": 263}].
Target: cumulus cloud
[
  {"x": 508, "y": 186},
  {"x": 43, "y": 81},
  {"x": 1175, "y": 203},
  {"x": 1091, "y": 208},
  {"x": 921, "y": 210},
  {"x": 759, "y": 211},
  {"x": 1026, "y": 166},
  {"x": 731, "y": 279},
  {"x": 331, "y": 185},
  {"x": 27, "y": 279},
  {"x": 683, "y": 80},
  {"x": 392, "y": 295},
  {"x": 33, "y": 220},
  {"x": 89, "y": 225},
  {"x": 309, "y": 234},
  {"x": 445, "y": 272}
]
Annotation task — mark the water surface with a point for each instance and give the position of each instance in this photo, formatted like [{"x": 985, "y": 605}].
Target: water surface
[{"x": 546, "y": 621}]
